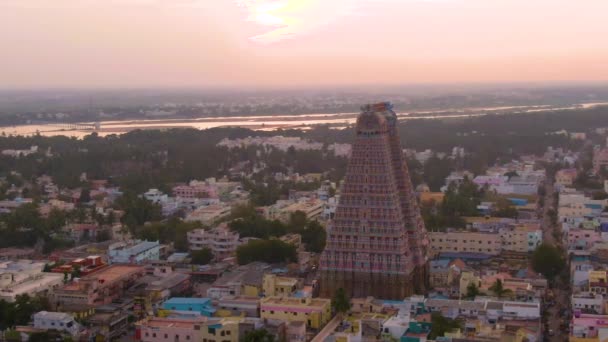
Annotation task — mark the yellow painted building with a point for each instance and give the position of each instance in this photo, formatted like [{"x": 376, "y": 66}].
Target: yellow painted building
[
  {"x": 274, "y": 285},
  {"x": 314, "y": 312},
  {"x": 251, "y": 290},
  {"x": 598, "y": 277},
  {"x": 227, "y": 329}
]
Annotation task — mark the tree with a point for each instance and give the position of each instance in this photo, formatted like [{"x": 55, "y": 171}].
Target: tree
[
  {"x": 498, "y": 289},
  {"x": 472, "y": 291},
  {"x": 270, "y": 251},
  {"x": 314, "y": 237},
  {"x": 441, "y": 325},
  {"x": 85, "y": 195},
  {"x": 137, "y": 210},
  {"x": 340, "y": 301},
  {"x": 548, "y": 261},
  {"x": 202, "y": 257},
  {"x": 258, "y": 335},
  {"x": 75, "y": 272},
  {"x": 297, "y": 221}
]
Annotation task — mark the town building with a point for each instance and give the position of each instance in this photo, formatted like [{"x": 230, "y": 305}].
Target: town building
[
  {"x": 202, "y": 306},
  {"x": 60, "y": 321},
  {"x": 565, "y": 177},
  {"x": 99, "y": 288},
  {"x": 157, "y": 329},
  {"x": 315, "y": 313},
  {"x": 600, "y": 159},
  {"x": 246, "y": 280},
  {"x": 209, "y": 214},
  {"x": 312, "y": 208},
  {"x": 465, "y": 241},
  {"x": 133, "y": 252},
  {"x": 220, "y": 240},
  {"x": 280, "y": 286},
  {"x": 239, "y": 306},
  {"x": 376, "y": 243},
  {"x": 26, "y": 277},
  {"x": 85, "y": 266},
  {"x": 108, "y": 322}
]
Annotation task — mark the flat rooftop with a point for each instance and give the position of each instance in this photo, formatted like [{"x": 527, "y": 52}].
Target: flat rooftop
[
  {"x": 157, "y": 322},
  {"x": 316, "y": 302},
  {"x": 107, "y": 275}
]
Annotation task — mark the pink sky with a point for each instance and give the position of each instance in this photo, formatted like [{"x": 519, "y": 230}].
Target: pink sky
[{"x": 275, "y": 43}]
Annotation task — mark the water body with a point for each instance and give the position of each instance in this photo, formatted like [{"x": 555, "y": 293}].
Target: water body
[{"x": 272, "y": 122}]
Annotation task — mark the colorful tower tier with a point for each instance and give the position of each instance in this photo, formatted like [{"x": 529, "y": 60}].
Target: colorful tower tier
[{"x": 376, "y": 243}]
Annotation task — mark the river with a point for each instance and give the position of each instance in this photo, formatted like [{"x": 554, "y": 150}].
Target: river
[{"x": 270, "y": 122}]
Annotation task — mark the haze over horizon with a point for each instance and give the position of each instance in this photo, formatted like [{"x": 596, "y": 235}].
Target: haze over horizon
[{"x": 299, "y": 43}]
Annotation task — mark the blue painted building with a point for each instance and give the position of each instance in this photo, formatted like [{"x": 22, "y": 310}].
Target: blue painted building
[{"x": 198, "y": 305}]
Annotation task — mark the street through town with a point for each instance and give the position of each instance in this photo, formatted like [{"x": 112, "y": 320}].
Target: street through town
[{"x": 557, "y": 300}]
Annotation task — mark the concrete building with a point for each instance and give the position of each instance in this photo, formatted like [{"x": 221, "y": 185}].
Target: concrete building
[
  {"x": 108, "y": 322},
  {"x": 157, "y": 329},
  {"x": 202, "y": 306},
  {"x": 209, "y": 214},
  {"x": 99, "y": 288},
  {"x": 465, "y": 241},
  {"x": 26, "y": 277},
  {"x": 155, "y": 196},
  {"x": 315, "y": 313},
  {"x": 376, "y": 243},
  {"x": 239, "y": 306},
  {"x": 587, "y": 302},
  {"x": 220, "y": 240},
  {"x": 246, "y": 280},
  {"x": 565, "y": 177},
  {"x": 60, "y": 321},
  {"x": 280, "y": 286},
  {"x": 588, "y": 327},
  {"x": 133, "y": 252},
  {"x": 600, "y": 159},
  {"x": 312, "y": 208}
]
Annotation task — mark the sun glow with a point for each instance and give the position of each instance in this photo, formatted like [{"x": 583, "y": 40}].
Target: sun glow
[
  {"x": 290, "y": 18},
  {"x": 267, "y": 14}
]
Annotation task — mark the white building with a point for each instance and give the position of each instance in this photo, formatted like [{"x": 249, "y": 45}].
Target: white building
[
  {"x": 220, "y": 240},
  {"x": 588, "y": 302},
  {"x": 60, "y": 321},
  {"x": 26, "y": 277},
  {"x": 155, "y": 196}
]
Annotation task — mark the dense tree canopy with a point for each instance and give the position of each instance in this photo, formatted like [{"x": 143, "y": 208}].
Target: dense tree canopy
[
  {"x": 270, "y": 251},
  {"x": 441, "y": 325},
  {"x": 340, "y": 301},
  {"x": 548, "y": 260},
  {"x": 20, "y": 312},
  {"x": 202, "y": 257}
]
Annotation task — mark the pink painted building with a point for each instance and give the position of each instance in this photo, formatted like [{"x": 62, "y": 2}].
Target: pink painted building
[
  {"x": 376, "y": 243},
  {"x": 588, "y": 326},
  {"x": 582, "y": 239},
  {"x": 600, "y": 159},
  {"x": 156, "y": 329}
]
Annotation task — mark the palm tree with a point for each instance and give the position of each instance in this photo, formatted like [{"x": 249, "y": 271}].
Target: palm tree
[{"x": 499, "y": 289}]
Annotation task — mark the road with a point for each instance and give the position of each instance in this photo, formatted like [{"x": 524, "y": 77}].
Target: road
[
  {"x": 560, "y": 286},
  {"x": 328, "y": 329}
]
